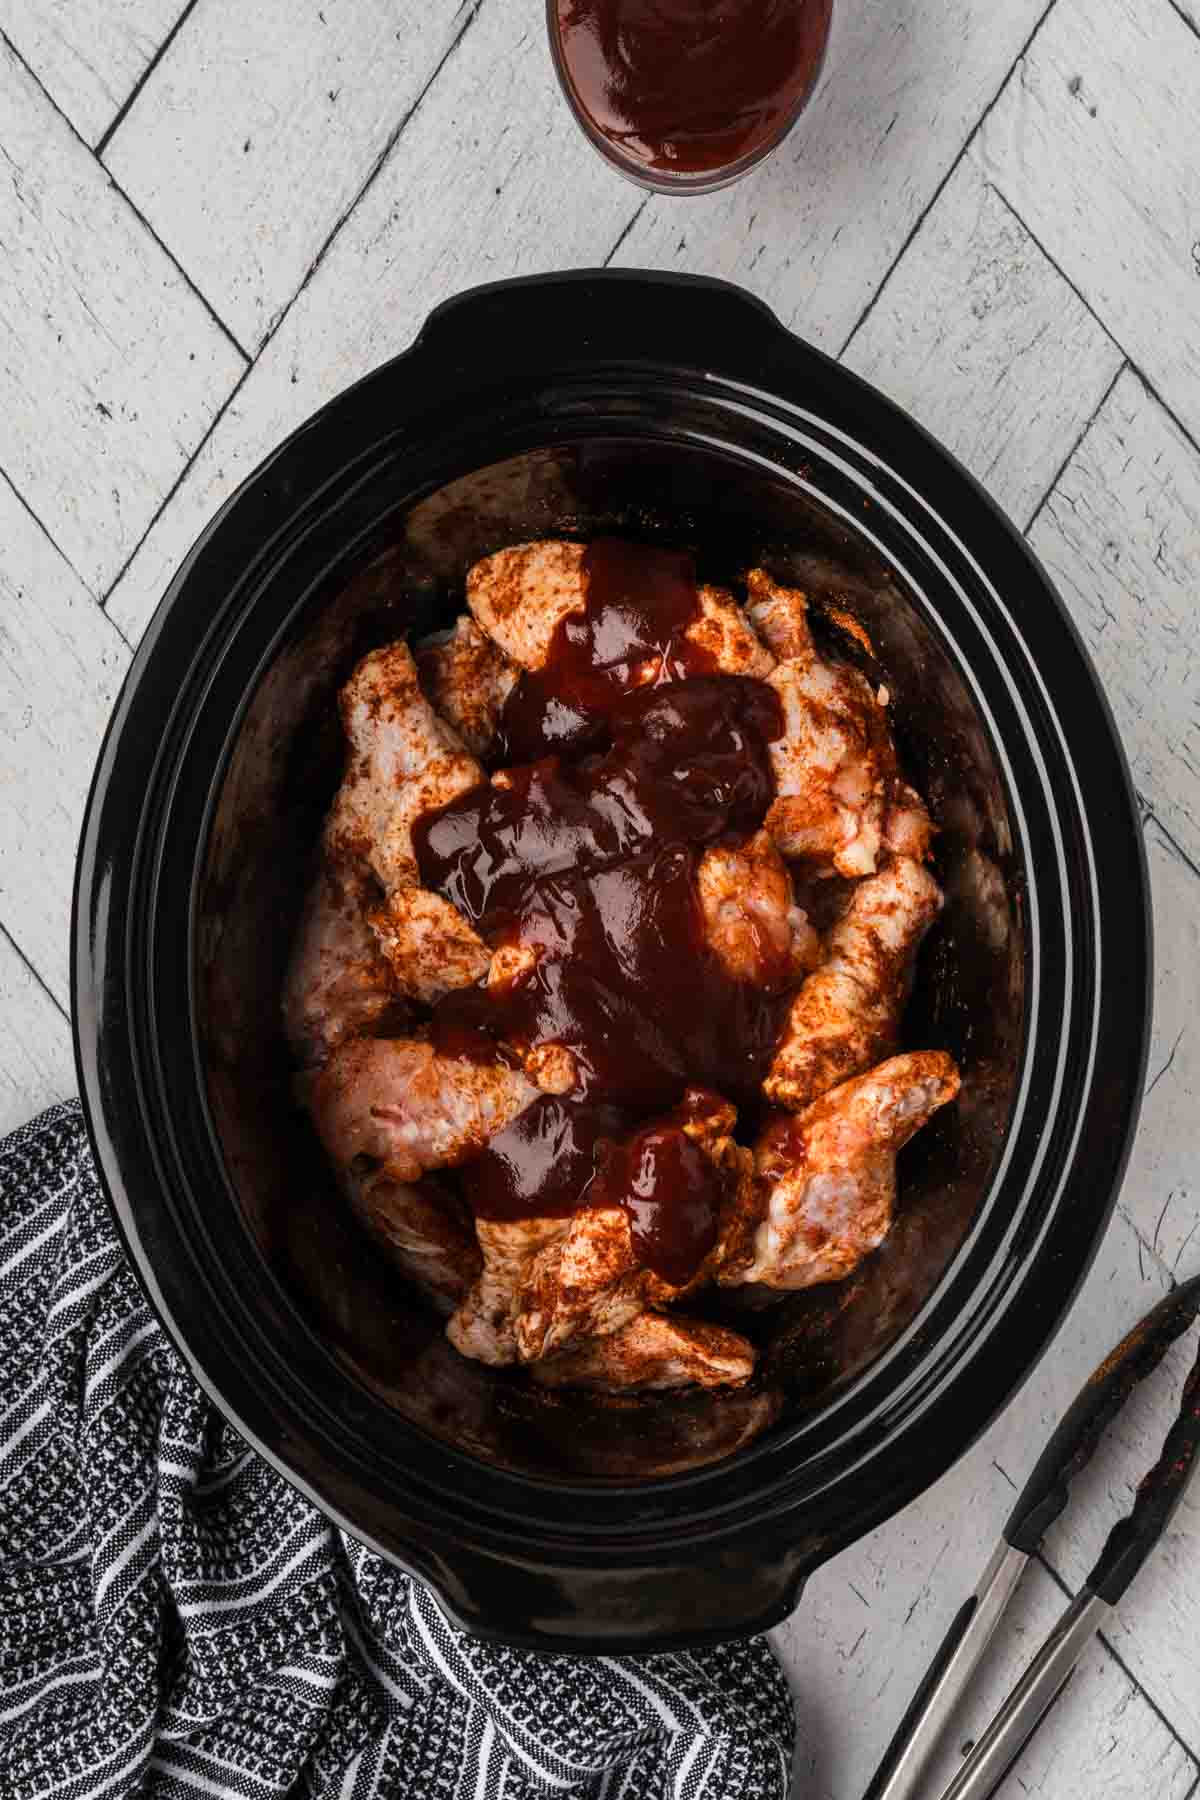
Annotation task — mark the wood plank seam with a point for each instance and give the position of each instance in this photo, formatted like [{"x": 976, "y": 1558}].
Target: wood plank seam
[
  {"x": 148, "y": 228},
  {"x": 205, "y": 302},
  {"x": 326, "y": 245},
  {"x": 626, "y": 231},
  {"x": 1193, "y": 27},
  {"x": 167, "y": 498},
  {"x": 1058, "y": 269},
  {"x": 1088, "y": 422},
  {"x": 32, "y": 967},
  {"x": 944, "y": 182},
  {"x": 1144, "y": 1244},
  {"x": 470, "y": 14},
  {"x": 1130, "y": 1677},
  {"x": 42, "y": 527},
  {"x": 1173, "y": 841},
  {"x": 247, "y": 99},
  {"x": 124, "y": 637},
  {"x": 106, "y": 137}
]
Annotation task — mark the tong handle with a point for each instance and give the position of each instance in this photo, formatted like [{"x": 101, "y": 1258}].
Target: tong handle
[
  {"x": 1077, "y": 1434},
  {"x": 889, "y": 1765},
  {"x": 899, "y": 1775},
  {"x": 1159, "y": 1492}
]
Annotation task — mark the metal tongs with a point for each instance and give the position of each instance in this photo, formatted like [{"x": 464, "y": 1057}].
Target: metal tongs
[{"x": 899, "y": 1775}]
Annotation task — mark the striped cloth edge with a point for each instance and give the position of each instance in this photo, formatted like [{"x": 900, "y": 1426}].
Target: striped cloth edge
[{"x": 177, "y": 1621}]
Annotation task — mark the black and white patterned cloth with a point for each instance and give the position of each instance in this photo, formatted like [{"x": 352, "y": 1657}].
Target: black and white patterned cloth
[{"x": 176, "y": 1621}]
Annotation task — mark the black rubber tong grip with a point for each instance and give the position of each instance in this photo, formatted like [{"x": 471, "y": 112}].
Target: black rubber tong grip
[
  {"x": 1159, "y": 1492},
  {"x": 1079, "y": 1431}
]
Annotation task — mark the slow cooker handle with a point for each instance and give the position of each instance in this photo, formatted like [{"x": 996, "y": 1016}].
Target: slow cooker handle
[{"x": 625, "y": 313}]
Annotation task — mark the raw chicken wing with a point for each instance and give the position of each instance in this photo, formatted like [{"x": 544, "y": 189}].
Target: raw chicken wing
[
  {"x": 725, "y": 634},
  {"x": 338, "y": 982},
  {"x": 519, "y": 597},
  {"x": 468, "y": 678},
  {"x": 590, "y": 1279},
  {"x": 548, "y": 1282},
  {"x": 780, "y": 618},
  {"x": 834, "y": 765},
  {"x": 483, "y": 1326},
  {"x": 424, "y": 1230},
  {"x": 827, "y": 1178},
  {"x": 404, "y": 761},
  {"x": 584, "y": 1282},
  {"x": 908, "y": 830},
  {"x": 652, "y": 1351},
  {"x": 751, "y": 919},
  {"x": 429, "y": 946},
  {"x": 847, "y": 1013},
  {"x": 393, "y": 1104}
]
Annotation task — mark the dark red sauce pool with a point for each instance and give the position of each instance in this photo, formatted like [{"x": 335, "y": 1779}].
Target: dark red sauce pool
[
  {"x": 690, "y": 86},
  {"x": 588, "y": 853}
]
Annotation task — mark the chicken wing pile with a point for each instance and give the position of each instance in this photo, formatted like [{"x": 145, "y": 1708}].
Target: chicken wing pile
[{"x": 572, "y": 1044}]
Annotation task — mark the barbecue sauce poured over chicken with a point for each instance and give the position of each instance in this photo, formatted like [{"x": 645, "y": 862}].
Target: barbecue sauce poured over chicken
[{"x": 637, "y": 760}]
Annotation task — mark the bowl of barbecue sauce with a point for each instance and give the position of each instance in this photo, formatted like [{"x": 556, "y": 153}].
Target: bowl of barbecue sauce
[{"x": 684, "y": 96}]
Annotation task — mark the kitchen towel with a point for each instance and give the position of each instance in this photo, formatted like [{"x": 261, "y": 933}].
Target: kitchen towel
[{"x": 176, "y": 1620}]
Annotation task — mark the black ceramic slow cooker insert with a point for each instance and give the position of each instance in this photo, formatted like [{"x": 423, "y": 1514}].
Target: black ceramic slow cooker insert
[{"x": 676, "y": 411}]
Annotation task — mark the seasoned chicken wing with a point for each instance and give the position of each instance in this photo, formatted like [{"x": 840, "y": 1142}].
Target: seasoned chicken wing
[
  {"x": 779, "y": 616},
  {"x": 484, "y": 1325},
  {"x": 584, "y": 1282},
  {"x": 368, "y": 933},
  {"x": 591, "y": 1277},
  {"x": 520, "y": 596},
  {"x": 467, "y": 678},
  {"x": 549, "y": 1281},
  {"x": 429, "y": 946},
  {"x": 833, "y": 767},
  {"x": 834, "y": 764},
  {"x": 653, "y": 1350},
  {"x": 727, "y": 637},
  {"x": 404, "y": 761},
  {"x": 424, "y": 1230},
  {"x": 394, "y": 1105},
  {"x": 751, "y": 919},
  {"x": 338, "y": 982},
  {"x": 847, "y": 1012},
  {"x": 827, "y": 1177},
  {"x": 908, "y": 828}
]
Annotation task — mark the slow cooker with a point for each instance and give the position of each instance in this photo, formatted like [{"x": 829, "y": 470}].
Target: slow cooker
[{"x": 673, "y": 410}]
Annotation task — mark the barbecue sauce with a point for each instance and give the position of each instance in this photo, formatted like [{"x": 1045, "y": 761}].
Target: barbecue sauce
[
  {"x": 690, "y": 86},
  {"x": 640, "y": 602},
  {"x": 586, "y": 854},
  {"x": 672, "y": 1193}
]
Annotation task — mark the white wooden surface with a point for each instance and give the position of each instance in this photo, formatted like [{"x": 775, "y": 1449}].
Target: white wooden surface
[
  {"x": 243, "y": 185},
  {"x": 991, "y": 212},
  {"x": 89, "y": 54},
  {"x": 112, "y": 368}
]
